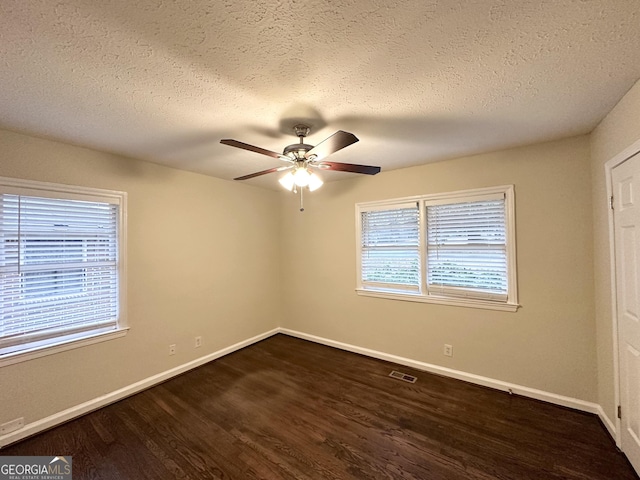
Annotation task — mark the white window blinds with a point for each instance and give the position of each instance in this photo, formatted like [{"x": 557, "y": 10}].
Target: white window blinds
[
  {"x": 390, "y": 247},
  {"x": 450, "y": 248},
  {"x": 58, "y": 269},
  {"x": 466, "y": 248}
]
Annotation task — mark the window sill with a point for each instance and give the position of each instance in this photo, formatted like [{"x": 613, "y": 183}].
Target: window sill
[
  {"x": 30, "y": 354},
  {"x": 458, "y": 302}
]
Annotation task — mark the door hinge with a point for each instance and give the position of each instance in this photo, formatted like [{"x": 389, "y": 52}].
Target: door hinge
[
  {"x": 619, "y": 411},
  {"x": 611, "y": 202}
]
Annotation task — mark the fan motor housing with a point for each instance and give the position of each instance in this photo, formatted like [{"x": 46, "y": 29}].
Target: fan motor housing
[{"x": 295, "y": 150}]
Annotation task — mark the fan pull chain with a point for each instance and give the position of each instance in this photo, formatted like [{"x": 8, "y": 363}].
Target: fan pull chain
[{"x": 301, "y": 199}]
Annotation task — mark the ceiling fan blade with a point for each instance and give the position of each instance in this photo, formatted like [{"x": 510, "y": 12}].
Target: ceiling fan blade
[
  {"x": 330, "y": 145},
  {"x": 252, "y": 148},
  {"x": 347, "y": 167},
  {"x": 264, "y": 172}
]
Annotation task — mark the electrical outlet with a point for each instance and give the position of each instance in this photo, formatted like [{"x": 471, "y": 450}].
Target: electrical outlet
[
  {"x": 448, "y": 350},
  {"x": 12, "y": 426},
  {"x": 198, "y": 342},
  {"x": 172, "y": 349}
]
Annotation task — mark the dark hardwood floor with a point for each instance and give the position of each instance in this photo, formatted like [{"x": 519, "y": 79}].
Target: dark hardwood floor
[{"x": 289, "y": 409}]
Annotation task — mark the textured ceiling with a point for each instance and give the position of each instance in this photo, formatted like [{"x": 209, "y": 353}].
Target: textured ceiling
[{"x": 415, "y": 80}]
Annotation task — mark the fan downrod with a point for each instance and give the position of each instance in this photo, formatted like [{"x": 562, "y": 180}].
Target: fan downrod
[{"x": 298, "y": 150}]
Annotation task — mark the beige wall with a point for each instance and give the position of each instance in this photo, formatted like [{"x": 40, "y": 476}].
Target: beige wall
[
  {"x": 549, "y": 344},
  {"x": 619, "y": 130},
  {"x": 236, "y": 288},
  {"x": 200, "y": 262}
]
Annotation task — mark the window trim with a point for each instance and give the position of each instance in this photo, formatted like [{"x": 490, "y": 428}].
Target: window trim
[
  {"x": 71, "y": 192},
  {"x": 423, "y": 296}
]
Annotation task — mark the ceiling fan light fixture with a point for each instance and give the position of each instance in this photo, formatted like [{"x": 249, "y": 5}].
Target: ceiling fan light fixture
[
  {"x": 301, "y": 177},
  {"x": 288, "y": 181},
  {"x": 301, "y": 157},
  {"x": 315, "y": 182}
]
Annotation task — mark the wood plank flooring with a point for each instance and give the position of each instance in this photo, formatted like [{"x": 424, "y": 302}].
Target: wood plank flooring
[{"x": 289, "y": 409}]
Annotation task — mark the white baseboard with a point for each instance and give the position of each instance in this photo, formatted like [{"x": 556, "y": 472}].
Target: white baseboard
[
  {"x": 606, "y": 421},
  {"x": 554, "y": 398},
  {"x": 104, "y": 400}
]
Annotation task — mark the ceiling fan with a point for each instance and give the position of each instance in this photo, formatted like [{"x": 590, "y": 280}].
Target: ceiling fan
[{"x": 302, "y": 158}]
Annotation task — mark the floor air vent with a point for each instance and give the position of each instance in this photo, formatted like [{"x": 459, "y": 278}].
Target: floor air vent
[{"x": 403, "y": 376}]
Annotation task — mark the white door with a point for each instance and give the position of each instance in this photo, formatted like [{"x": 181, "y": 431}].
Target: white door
[{"x": 626, "y": 214}]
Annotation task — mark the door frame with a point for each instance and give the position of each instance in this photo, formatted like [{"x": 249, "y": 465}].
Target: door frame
[{"x": 618, "y": 159}]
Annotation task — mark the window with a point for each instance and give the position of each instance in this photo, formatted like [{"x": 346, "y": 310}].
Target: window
[
  {"x": 61, "y": 266},
  {"x": 391, "y": 248},
  {"x": 455, "y": 248}
]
